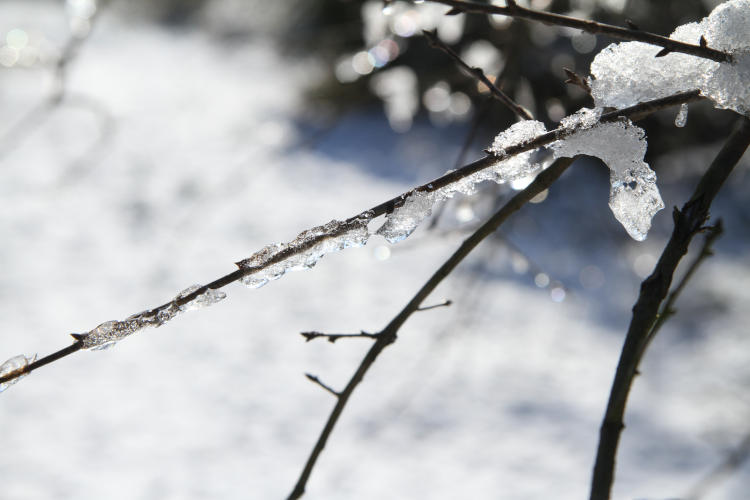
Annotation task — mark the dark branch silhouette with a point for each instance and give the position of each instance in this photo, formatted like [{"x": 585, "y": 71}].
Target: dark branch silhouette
[{"x": 593, "y": 27}]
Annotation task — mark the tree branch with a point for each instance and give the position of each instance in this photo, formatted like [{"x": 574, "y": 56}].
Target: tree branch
[
  {"x": 593, "y": 27},
  {"x": 388, "y": 335},
  {"x": 633, "y": 112},
  {"x": 688, "y": 222}
]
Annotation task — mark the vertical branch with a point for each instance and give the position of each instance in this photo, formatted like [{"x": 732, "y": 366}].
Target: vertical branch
[{"x": 688, "y": 222}]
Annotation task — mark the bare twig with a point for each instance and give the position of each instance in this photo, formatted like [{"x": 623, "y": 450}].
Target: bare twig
[
  {"x": 316, "y": 380},
  {"x": 667, "y": 310},
  {"x": 733, "y": 461},
  {"x": 575, "y": 79},
  {"x": 444, "y": 303},
  {"x": 688, "y": 222},
  {"x": 593, "y": 27},
  {"x": 634, "y": 112},
  {"x": 388, "y": 335},
  {"x": 333, "y": 337},
  {"x": 478, "y": 73}
]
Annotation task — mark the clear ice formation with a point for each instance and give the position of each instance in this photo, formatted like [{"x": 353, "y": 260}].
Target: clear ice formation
[
  {"x": 109, "y": 333},
  {"x": 274, "y": 260},
  {"x": 418, "y": 205},
  {"x": 627, "y": 73},
  {"x": 633, "y": 196},
  {"x": 13, "y": 365},
  {"x": 681, "y": 119}
]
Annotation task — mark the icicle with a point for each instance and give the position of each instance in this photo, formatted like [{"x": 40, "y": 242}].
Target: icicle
[
  {"x": 14, "y": 365},
  {"x": 681, "y": 118},
  {"x": 633, "y": 197}
]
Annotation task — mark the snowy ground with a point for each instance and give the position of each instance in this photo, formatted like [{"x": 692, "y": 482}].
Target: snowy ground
[{"x": 175, "y": 156}]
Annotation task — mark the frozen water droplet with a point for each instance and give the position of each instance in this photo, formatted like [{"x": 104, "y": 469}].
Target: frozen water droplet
[
  {"x": 14, "y": 365},
  {"x": 681, "y": 118},
  {"x": 273, "y": 261},
  {"x": 109, "y": 333},
  {"x": 207, "y": 298},
  {"x": 405, "y": 219}
]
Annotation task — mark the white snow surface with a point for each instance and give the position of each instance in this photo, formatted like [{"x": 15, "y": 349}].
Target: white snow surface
[
  {"x": 173, "y": 157},
  {"x": 627, "y": 73}
]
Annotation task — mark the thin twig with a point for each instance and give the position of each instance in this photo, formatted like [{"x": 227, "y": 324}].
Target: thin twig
[
  {"x": 316, "y": 380},
  {"x": 733, "y": 461},
  {"x": 478, "y": 73},
  {"x": 444, "y": 303},
  {"x": 688, "y": 222},
  {"x": 333, "y": 337},
  {"x": 633, "y": 112},
  {"x": 593, "y": 27},
  {"x": 388, "y": 335},
  {"x": 667, "y": 310}
]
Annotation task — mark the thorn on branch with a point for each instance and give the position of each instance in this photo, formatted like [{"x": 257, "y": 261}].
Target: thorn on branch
[
  {"x": 314, "y": 379},
  {"x": 333, "y": 337},
  {"x": 703, "y": 42},
  {"x": 663, "y": 52},
  {"x": 444, "y": 303},
  {"x": 577, "y": 80}
]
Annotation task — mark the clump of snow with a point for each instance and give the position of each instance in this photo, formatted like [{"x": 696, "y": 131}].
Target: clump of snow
[
  {"x": 418, "y": 205},
  {"x": 627, "y": 73},
  {"x": 681, "y": 119},
  {"x": 14, "y": 365},
  {"x": 633, "y": 197},
  {"x": 581, "y": 119},
  {"x": 304, "y": 251}
]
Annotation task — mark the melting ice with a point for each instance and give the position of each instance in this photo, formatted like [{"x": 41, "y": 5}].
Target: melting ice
[
  {"x": 633, "y": 196},
  {"x": 109, "y": 333},
  {"x": 418, "y": 205},
  {"x": 681, "y": 119},
  {"x": 14, "y": 365},
  {"x": 627, "y": 73},
  {"x": 274, "y": 260}
]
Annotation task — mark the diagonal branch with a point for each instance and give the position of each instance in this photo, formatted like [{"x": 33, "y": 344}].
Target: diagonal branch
[
  {"x": 388, "y": 335},
  {"x": 478, "y": 73},
  {"x": 593, "y": 27},
  {"x": 633, "y": 112},
  {"x": 688, "y": 222}
]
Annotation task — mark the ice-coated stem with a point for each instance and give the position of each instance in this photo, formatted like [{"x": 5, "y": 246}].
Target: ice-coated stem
[{"x": 687, "y": 222}]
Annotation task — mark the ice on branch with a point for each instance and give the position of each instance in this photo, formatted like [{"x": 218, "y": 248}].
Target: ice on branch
[
  {"x": 633, "y": 196},
  {"x": 109, "y": 333},
  {"x": 627, "y": 73},
  {"x": 681, "y": 119},
  {"x": 581, "y": 119},
  {"x": 273, "y": 261},
  {"x": 14, "y": 365},
  {"x": 418, "y": 205}
]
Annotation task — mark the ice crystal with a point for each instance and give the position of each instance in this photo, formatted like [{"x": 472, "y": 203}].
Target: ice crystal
[
  {"x": 109, "y": 333},
  {"x": 627, "y": 73},
  {"x": 405, "y": 219},
  {"x": 205, "y": 299},
  {"x": 14, "y": 365},
  {"x": 273, "y": 261},
  {"x": 633, "y": 197},
  {"x": 681, "y": 119}
]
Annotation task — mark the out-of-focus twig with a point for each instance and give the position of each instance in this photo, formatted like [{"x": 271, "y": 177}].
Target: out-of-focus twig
[
  {"x": 734, "y": 460},
  {"x": 478, "y": 73}
]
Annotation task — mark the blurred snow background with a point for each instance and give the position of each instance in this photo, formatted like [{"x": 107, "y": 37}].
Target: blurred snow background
[{"x": 176, "y": 152}]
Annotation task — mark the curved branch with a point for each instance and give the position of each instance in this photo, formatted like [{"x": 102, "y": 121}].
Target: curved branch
[{"x": 688, "y": 222}]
